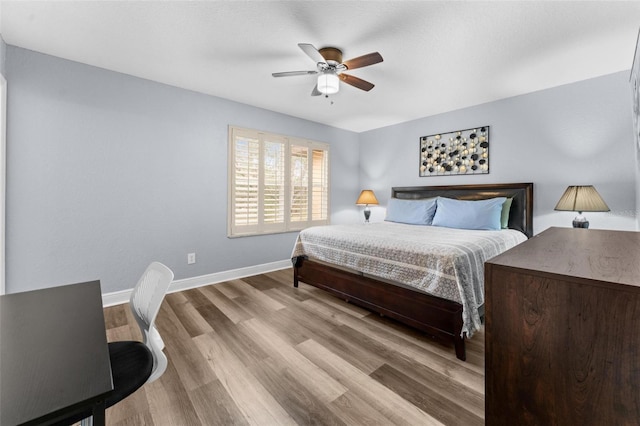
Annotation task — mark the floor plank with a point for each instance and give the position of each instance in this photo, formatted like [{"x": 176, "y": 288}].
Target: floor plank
[
  {"x": 429, "y": 400},
  {"x": 291, "y": 391},
  {"x": 257, "y": 351},
  {"x": 255, "y": 402},
  {"x": 389, "y": 403}
]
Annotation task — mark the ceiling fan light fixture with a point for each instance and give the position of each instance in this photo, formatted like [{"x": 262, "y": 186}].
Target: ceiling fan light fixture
[
  {"x": 328, "y": 83},
  {"x": 330, "y": 69}
]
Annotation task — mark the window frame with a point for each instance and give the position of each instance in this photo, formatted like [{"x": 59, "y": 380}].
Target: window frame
[{"x": 234, "y": 229}]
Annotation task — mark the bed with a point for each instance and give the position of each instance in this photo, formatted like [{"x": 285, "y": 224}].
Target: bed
[{"x": 437, "y": 313}]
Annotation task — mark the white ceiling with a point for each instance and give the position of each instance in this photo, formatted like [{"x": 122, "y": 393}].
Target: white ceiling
[{"x": 438, "y": 55}]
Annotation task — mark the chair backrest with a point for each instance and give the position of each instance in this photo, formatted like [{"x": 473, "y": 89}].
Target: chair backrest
[{"x": 146, "y": 298}]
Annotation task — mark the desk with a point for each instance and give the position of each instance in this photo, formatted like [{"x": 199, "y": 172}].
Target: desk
[{"x": 54, "y": 358}]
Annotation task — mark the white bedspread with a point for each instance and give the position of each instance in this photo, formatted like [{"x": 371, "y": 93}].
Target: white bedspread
[{"x": 445, "y": 262}]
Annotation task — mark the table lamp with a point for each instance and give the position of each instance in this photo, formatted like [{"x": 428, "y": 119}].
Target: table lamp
[
  {"x": 581, "y": 198},
  {"x": 367, "y": 197}
]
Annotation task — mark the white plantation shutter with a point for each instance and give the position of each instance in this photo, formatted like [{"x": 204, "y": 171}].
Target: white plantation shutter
[
  {"x": 276, "y": 183},
  {"x": 299, "y": 184},
  {"x": 246, "y": 171},
  {"x": 272, "y": 188},
  {"x": 319, "y": 185}
]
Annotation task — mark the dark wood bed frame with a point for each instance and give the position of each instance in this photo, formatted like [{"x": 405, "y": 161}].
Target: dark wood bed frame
[{"x": 437, "y": 317}]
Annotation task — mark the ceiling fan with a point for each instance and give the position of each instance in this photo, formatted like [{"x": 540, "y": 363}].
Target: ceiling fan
[{"x": 330, "y": 69}]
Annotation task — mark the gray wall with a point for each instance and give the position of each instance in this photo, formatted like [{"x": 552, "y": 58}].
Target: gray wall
[
  {"x": 3, "y": 54},
  {"x": 107, "y": 172},
  {"x": 576, "y": 134},
  {"x": 637, "y": 209}
]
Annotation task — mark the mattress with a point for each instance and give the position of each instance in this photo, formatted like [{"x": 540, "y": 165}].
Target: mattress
[{"x": 444, "y": 262}]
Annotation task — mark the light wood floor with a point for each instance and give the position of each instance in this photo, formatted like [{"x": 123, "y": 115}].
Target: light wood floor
[{"x": 258, "y": 351}]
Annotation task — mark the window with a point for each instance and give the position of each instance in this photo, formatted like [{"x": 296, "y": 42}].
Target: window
[{"x": 276, "y": 183}]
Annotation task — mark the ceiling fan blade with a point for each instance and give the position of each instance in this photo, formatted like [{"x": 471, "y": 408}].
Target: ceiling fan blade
[
  {"x": 315, "y": 91},
  {"x": 363, "y": 61},
  {"x": 357, "y": 82},
  {"x": 311, "y": 52},
  {"x": 290, "y": 73}
]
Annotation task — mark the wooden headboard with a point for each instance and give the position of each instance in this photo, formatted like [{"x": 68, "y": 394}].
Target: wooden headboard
[{"x": 520, "y": 217}]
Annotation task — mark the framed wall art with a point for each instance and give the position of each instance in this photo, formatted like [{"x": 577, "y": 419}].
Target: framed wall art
[{"x": 463, "y": 152}]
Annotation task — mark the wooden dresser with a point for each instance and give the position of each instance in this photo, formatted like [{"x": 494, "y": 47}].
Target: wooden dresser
[{"x": 563, "y": 330}]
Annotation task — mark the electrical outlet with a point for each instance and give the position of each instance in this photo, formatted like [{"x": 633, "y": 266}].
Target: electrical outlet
[{"x": 191, "y": 258}]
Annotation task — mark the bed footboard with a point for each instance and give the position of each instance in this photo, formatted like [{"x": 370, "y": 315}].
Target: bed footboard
[{"x": 437, "y": 317}]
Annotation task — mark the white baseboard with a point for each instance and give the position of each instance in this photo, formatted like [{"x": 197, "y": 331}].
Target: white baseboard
[{"x": 119, "y": 297}]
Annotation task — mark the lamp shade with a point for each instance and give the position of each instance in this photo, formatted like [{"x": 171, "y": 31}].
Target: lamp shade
[
  {"x": 367, "y": 197},
  {"x": 581, "y": 198},
  {"x": 328, "y": 83}
]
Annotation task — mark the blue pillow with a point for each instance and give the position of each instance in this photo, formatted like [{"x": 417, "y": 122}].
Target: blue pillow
[
  {"x": 465, "y": 214},
  {"x": 413, "y": 212}
]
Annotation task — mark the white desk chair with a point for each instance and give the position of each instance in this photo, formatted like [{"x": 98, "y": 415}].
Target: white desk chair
[
  {"x": 134, "y": 363},
  {"x": 145, "y": 301}
]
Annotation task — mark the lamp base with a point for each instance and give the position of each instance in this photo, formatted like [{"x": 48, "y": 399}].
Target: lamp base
[
  {"x": 367, "y": 214},
  {"x": 580, "y": 221}
]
